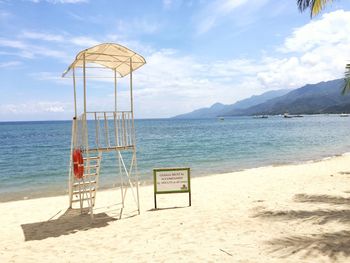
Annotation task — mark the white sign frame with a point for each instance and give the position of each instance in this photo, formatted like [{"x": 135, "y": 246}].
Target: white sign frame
[{"x": 171, "y": 181}]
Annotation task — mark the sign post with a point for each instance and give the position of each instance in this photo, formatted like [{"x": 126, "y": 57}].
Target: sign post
[{"x": 171, "y": 181}]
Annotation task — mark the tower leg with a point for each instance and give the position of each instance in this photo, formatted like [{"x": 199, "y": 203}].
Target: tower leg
[
  {"x": 137, "y": 180},
  {"x": 131, "y": 181}
]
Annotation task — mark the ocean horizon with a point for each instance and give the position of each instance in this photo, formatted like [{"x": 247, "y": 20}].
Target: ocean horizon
[{"x": 34, "y": 156}]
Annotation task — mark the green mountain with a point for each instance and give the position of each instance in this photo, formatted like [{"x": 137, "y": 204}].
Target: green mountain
[
  {"x": 219, "y": 109},
  {"x": 323, "y": 97}
]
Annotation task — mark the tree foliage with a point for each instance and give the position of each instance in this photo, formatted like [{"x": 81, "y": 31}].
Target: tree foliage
[{"x": 315, "y": 6}]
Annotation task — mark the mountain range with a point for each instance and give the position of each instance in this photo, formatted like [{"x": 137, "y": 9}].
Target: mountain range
[{"x": 323, "y": 97}]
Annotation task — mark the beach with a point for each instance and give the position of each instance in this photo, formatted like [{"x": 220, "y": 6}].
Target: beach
[
  {"x": 117, "y": 105},
  {"x": 289, "y": 213}
]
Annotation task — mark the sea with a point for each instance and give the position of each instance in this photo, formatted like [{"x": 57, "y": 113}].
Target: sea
[{"x": 34, "y": 156}]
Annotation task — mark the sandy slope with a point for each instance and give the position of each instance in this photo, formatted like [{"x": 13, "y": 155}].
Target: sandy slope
[{"x": 294, "y": 213}]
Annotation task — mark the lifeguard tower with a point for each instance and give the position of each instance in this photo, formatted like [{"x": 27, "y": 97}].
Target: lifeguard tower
[{"x": 97, "y": 132}]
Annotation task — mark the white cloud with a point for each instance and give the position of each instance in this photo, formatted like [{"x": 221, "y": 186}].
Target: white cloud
[
  {"x": 242, "y": 12},
  {"x": 10, "y": 64},
  {"x": 84, "y": 41},
  {"x": 57, "y": 46},
  {"x": 34, "y": 107},
  {"x": 331, "y": 30},
  {"x": 31, "y": 44},
  {"x": 77, "y": 17},
  {"x": 41, "y": 36},
  {"x": 51, "y": 76},
  {"x": 27, "y": 50},
  {"x": 12, "y": 43},
  {"x": 173, "y": 84},
  {"x": 314, "y": 52}
]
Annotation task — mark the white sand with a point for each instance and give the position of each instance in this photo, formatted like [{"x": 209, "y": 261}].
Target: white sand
[{"x": 294, "y": 213}]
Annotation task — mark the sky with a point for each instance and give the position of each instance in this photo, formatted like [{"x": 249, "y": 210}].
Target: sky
[{"x": 197, "y": 52}]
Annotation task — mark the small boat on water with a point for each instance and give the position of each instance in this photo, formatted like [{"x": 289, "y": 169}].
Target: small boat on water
[
  {"x": 344, "y": 115},
  {"x": 298, "y": 116},
  {"x": 286, "y": 115},
  {"x": 221, "y": 118},
  {"x": 260, "y": 117}
]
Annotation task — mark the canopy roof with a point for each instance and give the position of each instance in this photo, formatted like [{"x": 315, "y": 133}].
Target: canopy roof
[{"x": 109, "y": 55}]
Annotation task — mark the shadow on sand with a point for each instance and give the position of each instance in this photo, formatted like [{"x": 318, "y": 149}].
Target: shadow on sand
[
  {"x": 329, "y": 199},
  {"x": 317, "y": 216},
  {"x": 333, "y": 244},
  {"x": 69, "y": 223},
  {"x": 166, "y": 208}
]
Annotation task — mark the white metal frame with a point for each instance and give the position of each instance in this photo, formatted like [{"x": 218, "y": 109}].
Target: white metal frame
[{"x": 119, "y": 138}]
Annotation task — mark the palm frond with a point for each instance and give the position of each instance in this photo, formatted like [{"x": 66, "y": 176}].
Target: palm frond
[
  {"x": 318, "y": 6},
  {"x": 315, "y": 6},
  {"x": 304, "y": 4},
  {"x": 346, "y": 87}
]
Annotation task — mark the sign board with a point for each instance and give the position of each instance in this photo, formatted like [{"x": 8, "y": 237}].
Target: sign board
[{"x": 171, "y": 180}]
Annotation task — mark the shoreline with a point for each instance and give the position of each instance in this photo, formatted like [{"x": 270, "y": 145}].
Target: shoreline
[{"x": 27, "y": 195}]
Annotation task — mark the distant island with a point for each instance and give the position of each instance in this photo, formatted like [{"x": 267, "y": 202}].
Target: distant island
[{"x": 320, "y": 98}]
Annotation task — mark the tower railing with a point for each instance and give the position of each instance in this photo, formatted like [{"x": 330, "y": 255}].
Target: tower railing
[{"x": 105, "y": 131}]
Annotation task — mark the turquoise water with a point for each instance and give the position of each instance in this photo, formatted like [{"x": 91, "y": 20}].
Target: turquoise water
[{"x": 34, "y": 156}]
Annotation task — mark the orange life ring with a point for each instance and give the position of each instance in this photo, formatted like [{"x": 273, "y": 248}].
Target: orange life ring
[{"x": 78, "y": 163}]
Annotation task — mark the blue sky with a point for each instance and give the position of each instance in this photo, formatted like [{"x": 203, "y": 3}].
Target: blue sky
[{"x": 197, "y": 52}]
